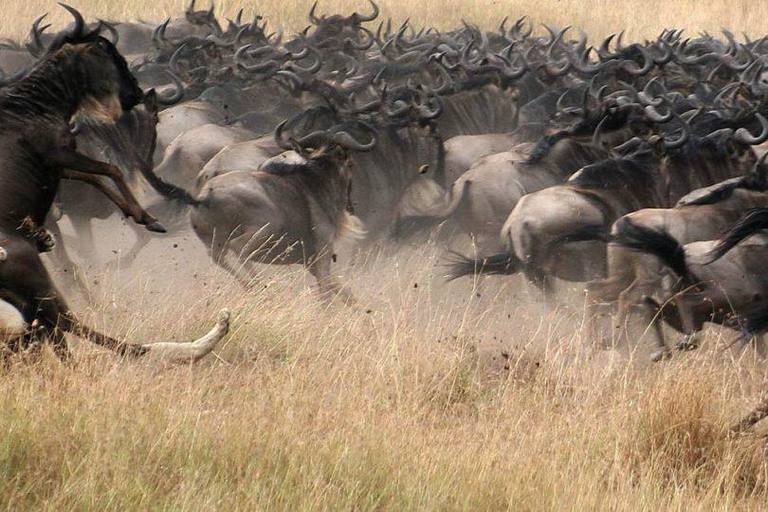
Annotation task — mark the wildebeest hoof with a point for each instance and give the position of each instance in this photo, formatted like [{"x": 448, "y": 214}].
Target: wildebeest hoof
[
  {"x": 45, "y": 240},
  {"x": 689, "y": 342},
  {"x": 156, "y": 227},
  {"x": 661, "y": 355}
]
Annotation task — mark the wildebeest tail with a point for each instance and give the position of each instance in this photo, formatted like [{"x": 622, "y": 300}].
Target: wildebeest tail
[
  {"x": 747, "y": 226},
  {"x": 652, "y": 241},
  {"x": 591, "y": 232},
  {"x": 165, "y": 189},
  {"x": 458, "y": 265},
  {"x": 754, "y": 321}
]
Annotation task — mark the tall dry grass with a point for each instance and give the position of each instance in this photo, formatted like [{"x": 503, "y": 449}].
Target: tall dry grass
[
  {"x": 425, "y": 396},
  {"x": 640, "y": 18}
]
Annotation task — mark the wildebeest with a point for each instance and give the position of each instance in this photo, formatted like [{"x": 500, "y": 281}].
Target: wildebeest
[
  {"x": 82, "y": 75},
  {"x": 551, "y": 233},
  {"x": 705, "y": 214},
  {"x": 292, "y": 211},
  {"x": 716, "y": 279}
]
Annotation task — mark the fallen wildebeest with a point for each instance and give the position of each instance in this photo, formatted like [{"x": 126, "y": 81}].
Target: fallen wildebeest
[
  {"x": 82, "y": 75},
  {"x": 291, "y": 211}
]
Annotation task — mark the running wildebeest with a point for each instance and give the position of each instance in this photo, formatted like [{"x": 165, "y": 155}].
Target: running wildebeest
[
  {"x": 717, "y": 279},
  {"x": 81, "y": 76},
  {"x": 704, "y": 214},
  {"x": 292, "y": 211}
]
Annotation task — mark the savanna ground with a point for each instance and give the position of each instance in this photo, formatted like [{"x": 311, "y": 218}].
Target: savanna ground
[{"x": 426, "y": 395}]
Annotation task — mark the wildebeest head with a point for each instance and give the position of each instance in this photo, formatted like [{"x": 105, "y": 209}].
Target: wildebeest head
[{"x": 108, "y": 86}]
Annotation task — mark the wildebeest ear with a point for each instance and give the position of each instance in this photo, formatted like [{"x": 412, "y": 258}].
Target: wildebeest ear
[
  {"x": 150, "y": 101},
  {"x": 656, "y": 142},
  {"x": 297, "y": 147}
]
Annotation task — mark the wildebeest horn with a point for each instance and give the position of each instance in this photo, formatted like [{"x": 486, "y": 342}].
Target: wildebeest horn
[
  {"x": 312, "y": 17},
  {"x": 343, "y": 138},
  {"x": 253, "y": 68},
  {"x": 35, "y": 47},
  {"x": 279, "y": 140},
  {"x": 680, "y": 141},
  {"x": 631, "y": 68},
  {"x": 79, "y": 28},
  {"x": 370, "y": 17},
  {"x": 112, "y": 30},
  {"x": 364, "y": 45},
  {"x": 646, "y": 96},
  {"x": 742, "y": 134},
  {"x": 315, "y": 67},
  {"x": 177, "y": 94},
  {"x": 653, "y": 115},
  {"x": 596, "y": 142},
  {"x": 428, "y": 114}
]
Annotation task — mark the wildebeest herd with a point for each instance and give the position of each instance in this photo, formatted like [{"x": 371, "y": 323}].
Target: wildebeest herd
[{"x": 636, "y": 169}]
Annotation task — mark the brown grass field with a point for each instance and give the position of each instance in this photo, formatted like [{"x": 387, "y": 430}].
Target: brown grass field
[{"x": 426, "y": 395}]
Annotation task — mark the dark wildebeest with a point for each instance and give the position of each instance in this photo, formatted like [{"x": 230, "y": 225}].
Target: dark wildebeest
[
  {"x": 708, "y": 290},
  {"x": 82, "y": 75},
  {"x": 291, "y": 211}
]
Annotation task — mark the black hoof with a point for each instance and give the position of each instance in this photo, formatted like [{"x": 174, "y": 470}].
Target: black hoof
[{"x": 156, "y": 227}]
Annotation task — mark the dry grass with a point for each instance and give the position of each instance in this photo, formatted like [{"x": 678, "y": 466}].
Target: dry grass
[
  {"x": 410, "y": 406},
  {"x": 640, "y": 18}
]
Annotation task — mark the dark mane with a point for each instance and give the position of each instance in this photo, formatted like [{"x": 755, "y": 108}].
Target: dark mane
[
  {"x": 629, "y": 172},
  {"x": 586, "y": 127},
  {"x": 286, "y": 169},
  {"x": 752, "y": 181}
]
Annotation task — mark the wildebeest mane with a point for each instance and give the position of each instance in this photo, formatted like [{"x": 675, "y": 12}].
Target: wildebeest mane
[
  {"x": 586, "y": 127},
  {"x": 629, "y": 172}
]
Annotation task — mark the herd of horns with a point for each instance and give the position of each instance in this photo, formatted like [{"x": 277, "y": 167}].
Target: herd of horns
[{"x": 634, "y": 168}]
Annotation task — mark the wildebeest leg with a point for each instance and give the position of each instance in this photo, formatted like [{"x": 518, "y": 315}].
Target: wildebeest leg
[
  {"x": 219, "y": 254},
  {"x": 692, "y": 323},
  {"x": 81, "y": 168},
  {"x": 327, "y": 285},
  {"x": 543, "y": 282},
  {"x": 652, "y": 315},
  {"x": 600, "y": 294}
]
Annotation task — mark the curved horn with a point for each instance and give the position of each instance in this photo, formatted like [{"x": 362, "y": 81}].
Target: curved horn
[
  {"x": 370, "y": 17},
  {"x": 253, "y": 68},
  {"x": 79, "y": 28},
  {"x": 745, "y": 137},
  {"x": 191, "y": 351},
  {"x": 646, "y": 96},
  {"x": 680, "y": 141},
  {"x": 596, "y": 142},
  {"x": 313, "y": 19},
  {"x": 653, "y": 115},
  {"x": 35, "y": 33},
  {"x": 279, "y": 140},
  {"x": 631, "y": 68},
  {"x": 112, "y": 30},
  {"x": 177, "y": 94}
]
